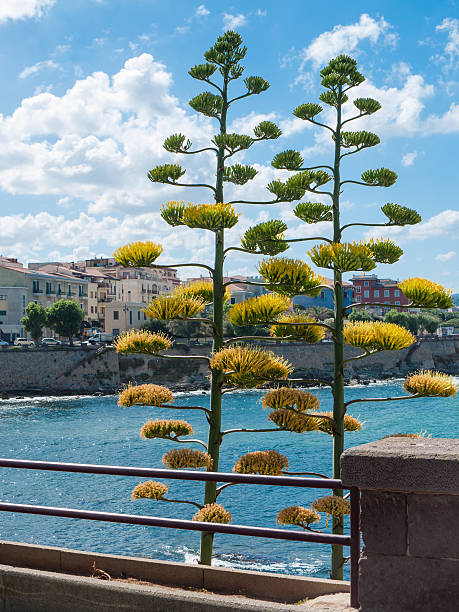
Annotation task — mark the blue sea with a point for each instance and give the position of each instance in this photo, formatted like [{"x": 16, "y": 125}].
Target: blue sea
[{"x": 86, "y": 429}]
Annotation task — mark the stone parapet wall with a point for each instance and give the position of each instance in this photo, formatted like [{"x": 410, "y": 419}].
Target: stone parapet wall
[
  {"x": 84, "y": 370},
  {"x": 410, "y": 504},
  {"x": 58, "y": 371}
]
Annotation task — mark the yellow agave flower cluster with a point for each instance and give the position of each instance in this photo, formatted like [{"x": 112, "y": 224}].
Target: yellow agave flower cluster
[
  {"x": 257, "y": 310},
  {"x": 201, "y": 290},
  {"x": 377, "y": 335},
  {"x": 166, "y": 307},
  {"x": 350, "y": 423},
  {"x": 137, "y": 341},
  {"x": 290, "y": 409},
  {"x": 292, "y": 421},
  {"x": 299, "y": 327},
  {"x": 138, "y": 254},
  {"x": 298, "y": 515},
  {"x": 179, "y": 458},
  {"x": 428, "y": 383},
  {"x": 212, "y": 217},
  {"x": 285, "y": 397},
  {"x": 212, "y": 513},
  {"x": 250, "y": 367},
  {"x": 165, "y": 429},
  {"x": 145, "y": 395},
  {"x": 290, "y": 277},
  {"x": 149, "y": 490},
  {"x": 331, "y": 505},
  {"x": 423, "y": 292},
  {"x": 346, "y": 256},
  {"x": 262, "y": 462}
]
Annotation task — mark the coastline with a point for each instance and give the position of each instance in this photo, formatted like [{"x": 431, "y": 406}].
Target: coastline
[{"x": 178, "y": 388}]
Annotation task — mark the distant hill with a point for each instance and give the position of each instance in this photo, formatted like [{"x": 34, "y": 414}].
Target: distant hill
[{"x": 455, "y": 298}]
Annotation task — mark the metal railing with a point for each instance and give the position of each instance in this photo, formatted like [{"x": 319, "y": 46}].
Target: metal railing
[{"x": 352, "y": 540}]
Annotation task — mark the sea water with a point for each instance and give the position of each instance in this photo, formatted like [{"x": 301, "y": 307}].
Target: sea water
[{"x": 96, "y": 430}]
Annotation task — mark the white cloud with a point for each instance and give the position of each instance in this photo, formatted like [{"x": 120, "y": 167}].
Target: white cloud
[
  {"x": 38, "y": 67},
  {"x": 445, "y": 256},
  {"x": 451, "y": 27},
  {"x": 202, "y": 11},
  {"x": 261, "y": 12},
  {"x": 23, "y": 9},
  {"x": 408, "y": 158},
  {"x": 346, "y": 38},
  {"x": 98, "y": 139},
  {"x": 230, "y": 22},
  {"x": 444, "y": 224}
]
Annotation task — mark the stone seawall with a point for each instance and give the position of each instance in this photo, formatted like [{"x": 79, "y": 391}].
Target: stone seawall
[{"x": 86, "y": 371}]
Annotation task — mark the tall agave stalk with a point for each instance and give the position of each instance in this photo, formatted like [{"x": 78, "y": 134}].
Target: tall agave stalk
[
  {"x": 338, "y": 78},
  {"x": 292, "y": 410}
]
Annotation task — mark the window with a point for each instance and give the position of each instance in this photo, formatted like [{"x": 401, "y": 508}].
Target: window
[
  {"x": 397, "y": 303},
  {"x": 36, "y": 287},
  {"x": 130, "y": 317},
  {"x": 2, "y": 297},
  {"x": 396, "y": 293},
  {"x": 366, "y": 294},
  {"x": 366, "y": 283},
  {"x": 358, "y": 288},
  {"x": 2, "y": 312},
  {"x": 138, "y": 316},
  {"x": 376, "y": 292},
  {"x": 386, "y": 293},
  {"x": 116, "y": 315}
]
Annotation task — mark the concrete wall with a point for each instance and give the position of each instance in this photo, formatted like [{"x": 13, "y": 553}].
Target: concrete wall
[
  {"x": 83, "y": 371},
  {"x": 410, "y": 505},
  {"x": 58, "y": 371}
]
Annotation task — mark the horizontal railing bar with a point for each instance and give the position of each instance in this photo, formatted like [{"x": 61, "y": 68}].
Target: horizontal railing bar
[
  {"x": 154, "y": 521},
  {"x": 116, "y": 470}
]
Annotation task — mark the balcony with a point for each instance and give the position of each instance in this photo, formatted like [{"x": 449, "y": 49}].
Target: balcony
[{"x": 36, "y": 290}]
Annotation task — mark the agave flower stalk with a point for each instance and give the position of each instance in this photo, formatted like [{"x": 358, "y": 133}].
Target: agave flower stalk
[
  {"x": 338, "y": 78},
  {"x": 245, "y": 366}
]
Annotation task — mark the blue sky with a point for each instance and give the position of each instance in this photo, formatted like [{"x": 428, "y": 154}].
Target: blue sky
[{"x": 90, "y": 89}]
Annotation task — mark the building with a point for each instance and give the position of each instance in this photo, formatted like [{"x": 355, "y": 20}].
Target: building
[
  {"x": 370, "y": 289},
  {"x": 109, "y": 282},
  {"x": 122, "y": 316},
  {"x": 325, "y": 297},
  {"x": 19, "y": 286},
  {"x": 239, "y": 286}
]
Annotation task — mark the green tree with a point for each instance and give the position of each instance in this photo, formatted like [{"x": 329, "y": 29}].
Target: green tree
[
  {"x": 405, "y": 319},
  {"x": 35, "y": 320},
  {"x": 359, "y": 314},
  {"x": 428, "y": 323},
  {"x": 242, "y": 366},
  {"x": 453, "y": 322},
  {"x": 65, "y": 317}
]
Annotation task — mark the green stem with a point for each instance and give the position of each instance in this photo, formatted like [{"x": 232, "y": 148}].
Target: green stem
[
  {"x": 338, "y": 380},
  {"x": 217, "y": 378}
]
